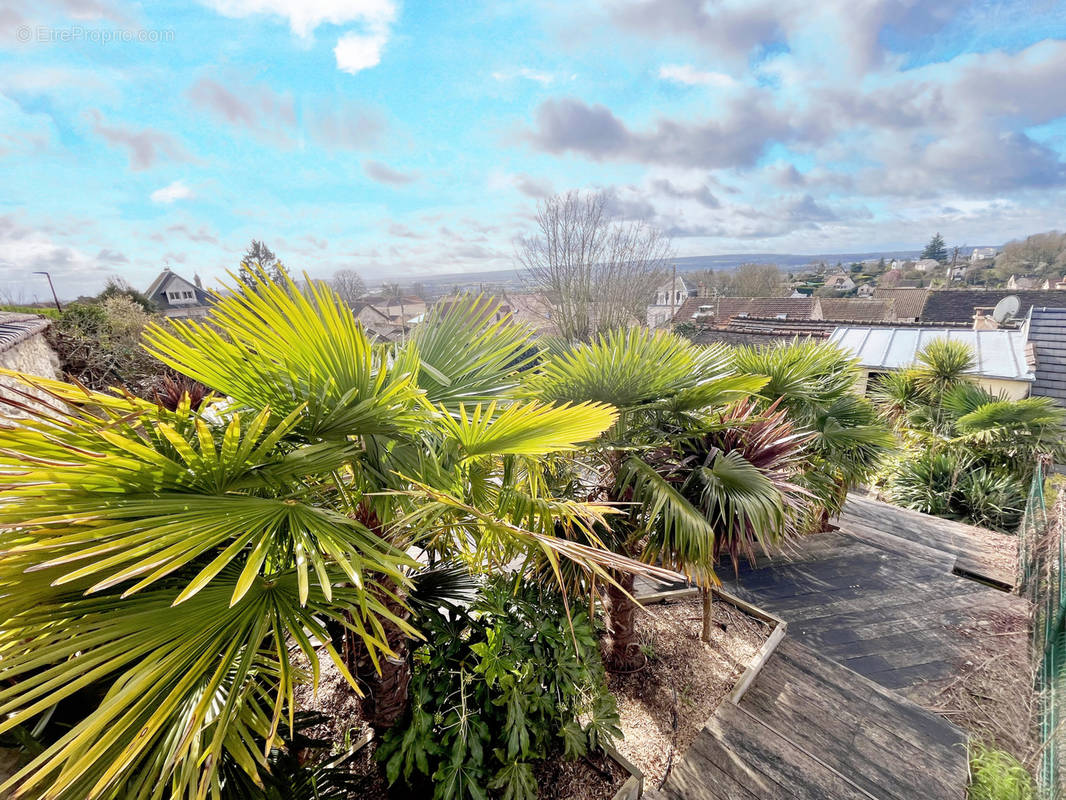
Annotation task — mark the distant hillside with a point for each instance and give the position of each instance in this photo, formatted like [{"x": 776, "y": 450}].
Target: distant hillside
[{"x": 512, "y": 279}]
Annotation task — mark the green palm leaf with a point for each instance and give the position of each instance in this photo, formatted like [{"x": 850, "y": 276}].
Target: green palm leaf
[
  {"x": 271, "y": 346},
  {"x": 466, "y": 351},
  {"x": 527, "y": 428}
]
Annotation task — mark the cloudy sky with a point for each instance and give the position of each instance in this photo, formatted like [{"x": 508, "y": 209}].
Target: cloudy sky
[{"x": 413, "y": 138}]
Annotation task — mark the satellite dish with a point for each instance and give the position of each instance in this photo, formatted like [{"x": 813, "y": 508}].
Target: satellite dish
[{"x": 1006, "y": 308}]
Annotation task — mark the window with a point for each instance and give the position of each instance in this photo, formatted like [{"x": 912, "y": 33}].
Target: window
[{"x": 186, "y": 295}]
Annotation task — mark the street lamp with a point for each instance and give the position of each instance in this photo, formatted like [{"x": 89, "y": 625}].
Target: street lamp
[{"x": 53, "y": 288}]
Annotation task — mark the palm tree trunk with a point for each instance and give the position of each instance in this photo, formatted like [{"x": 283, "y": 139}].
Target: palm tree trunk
[
  {"x": 623, "y": 652},
  {"x": 708, "y": 615},
  {"x": 386, "y": 698}
]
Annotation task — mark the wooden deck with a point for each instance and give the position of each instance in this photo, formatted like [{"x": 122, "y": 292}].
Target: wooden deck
[{"x": 877, "y": 617}]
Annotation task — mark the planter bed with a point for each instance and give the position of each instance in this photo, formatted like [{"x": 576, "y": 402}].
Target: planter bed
[
  {"x": 599, "y": 777},
  {"x": 662, "y": 707},
  {"x": 667, "y": 703}
]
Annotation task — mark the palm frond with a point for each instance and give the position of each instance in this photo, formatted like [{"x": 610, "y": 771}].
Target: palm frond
[
  {"x": 526, "y": 428},
  {"x": 274, "y": 346},
  {"x": 678, "y": 534},
  {"x": 466, "y": 350},
  {"x": 166, "y": 667}
]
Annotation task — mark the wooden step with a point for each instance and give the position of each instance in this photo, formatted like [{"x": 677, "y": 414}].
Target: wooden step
[
  {"x": 738, "y": 757},
  {"x": 885, "y": 744}
]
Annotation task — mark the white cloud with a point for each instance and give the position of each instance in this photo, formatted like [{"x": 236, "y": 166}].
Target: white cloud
[
  {"x": 535, "y": 75},
  {"x": 690, "y": 76},
  {"x": 359, "y": 51},
  {"x": 177, "y": 190},
  {"x": 356, "y": 50}
]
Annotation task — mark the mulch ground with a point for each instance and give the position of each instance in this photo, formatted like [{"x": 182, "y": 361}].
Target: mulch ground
[{"x": 666, "y": 704}]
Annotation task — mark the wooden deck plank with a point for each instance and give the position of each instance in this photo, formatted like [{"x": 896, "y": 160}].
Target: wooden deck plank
[{"x": 875, "y": 612}]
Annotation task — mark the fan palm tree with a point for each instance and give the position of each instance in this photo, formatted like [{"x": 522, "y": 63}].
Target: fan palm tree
[
  {"x": 739, "y": 473},
  {"x": 938, "y": 404},
  {"x": 666, "y": 391},
  {"x": 164, "y": 572},
  {"x": 816, "y": 384}
]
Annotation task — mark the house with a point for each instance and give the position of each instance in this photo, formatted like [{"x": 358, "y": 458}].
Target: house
[
  {"x": 716, "y": 312},
  {"x": 1053, "y": 283},
  {"x": 866, "y": 290},
  {"x": 907, "y": 304},
  {"x": 1045, "y": 331},
  {"x": 532, "y": 309},
  {"x": 1000, "y": 355},
  {"x": 24, "y": 348},
  {"x": 753, "y": 331},
  {"x": 840, "y": 282},
  {"x": 926, "y": 264},
  {"x": 961, "y": 305},
  {"x": 982, "y": 253},
  {"x": 175, "y": 296},
  {"x": 400, "y": 309},
  {"x": 853, "y": 309},
  {"x": 668, "y": 299},
  {"x": 1021, "y": 282},
  {"x": 376, "y": 321}
]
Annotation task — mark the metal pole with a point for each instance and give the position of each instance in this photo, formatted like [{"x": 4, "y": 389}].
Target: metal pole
[{"x": 53, "y": 288}]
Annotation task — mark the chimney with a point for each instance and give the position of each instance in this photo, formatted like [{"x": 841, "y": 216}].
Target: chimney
[
  {"x": 196, "y": 280},
  {"x": 982, "y": 320}
]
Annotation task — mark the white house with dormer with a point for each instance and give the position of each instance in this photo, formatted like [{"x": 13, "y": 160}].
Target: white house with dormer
[
  {"x": 668, "y": 299},
  {"x": 175, "y": 296}
]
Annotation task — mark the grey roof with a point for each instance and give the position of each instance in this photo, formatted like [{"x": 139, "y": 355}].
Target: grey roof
[
  {"x": 14, "y": 328},
  {"x": 1047, "y": 337},
  {"x": 157, "y": 291},
  {"x": 957, "y": 305},
  {"x": 999, "y": 353}
]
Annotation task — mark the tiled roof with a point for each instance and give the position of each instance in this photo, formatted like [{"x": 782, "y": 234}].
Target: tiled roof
[
  {"x": 755, "y": 331},
  {"x": 908, "y": 303},
  {"x": 998, "y": 353},
  {"x": 856, "y": 310},
  {"x": 957, "y": 305},
  {"x": 1047, "y": 337},
  {"x": 14, "y": 328},
  {"x": 718, "y": 311}
]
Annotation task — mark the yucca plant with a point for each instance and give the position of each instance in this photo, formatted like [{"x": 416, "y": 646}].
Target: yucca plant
[
  {"x": 666, "y": 390},
  {"x": 169, "y": 568}
]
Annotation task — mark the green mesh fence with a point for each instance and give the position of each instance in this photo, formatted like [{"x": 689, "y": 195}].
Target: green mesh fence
[{"x": 1042, "y": 550}]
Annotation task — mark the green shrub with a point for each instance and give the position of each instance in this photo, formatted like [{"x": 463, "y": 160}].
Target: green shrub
[
  {"x": 951, "y": 484},
  {"x": 926, "y": 482},
  {"x": 496, "y": 687},
  {"x": 99, "y": 345},
  {"x": 997, "y": 775},
  {"x": 990, "y": 498}
]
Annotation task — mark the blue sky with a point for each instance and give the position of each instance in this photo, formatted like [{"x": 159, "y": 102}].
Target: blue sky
[{"x": 404, "y": 139}]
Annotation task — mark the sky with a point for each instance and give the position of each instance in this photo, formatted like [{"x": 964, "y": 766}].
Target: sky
[{"x": 402, "y": 139}]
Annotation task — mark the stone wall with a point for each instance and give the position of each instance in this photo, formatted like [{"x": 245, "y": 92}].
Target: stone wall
[{"x": 33, "y": 356}]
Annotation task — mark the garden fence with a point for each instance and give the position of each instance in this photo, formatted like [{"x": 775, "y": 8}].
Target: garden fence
[{"x": 1042, "y": 549}]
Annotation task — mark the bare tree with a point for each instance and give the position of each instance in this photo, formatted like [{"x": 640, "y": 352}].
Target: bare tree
[
  {"x": 596, "y": 272},
  {"x": 758, "y": 280},
  {"x": 349, "y": 285}
]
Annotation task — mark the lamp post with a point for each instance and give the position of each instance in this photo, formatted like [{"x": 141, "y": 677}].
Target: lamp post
[{"x": 53, "y": 288}]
